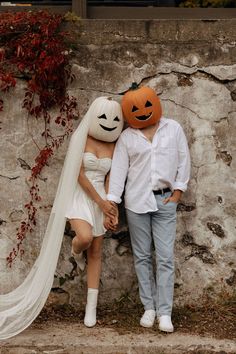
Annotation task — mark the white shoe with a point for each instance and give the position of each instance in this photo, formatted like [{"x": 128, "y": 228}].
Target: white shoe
[
  {"x": 79, "y": 258},
  {"x": 165, "y": 324},
  {"x": 91, "y": 308},
  {"x": 148, "y": 318},
  {"x": 90, "y": 316}
]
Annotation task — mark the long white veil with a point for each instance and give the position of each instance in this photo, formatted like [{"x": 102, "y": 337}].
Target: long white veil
[{"x": 21, "y": 306}]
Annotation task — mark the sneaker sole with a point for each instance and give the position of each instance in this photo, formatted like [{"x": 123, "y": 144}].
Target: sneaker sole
[
  {"x": 166, "y": 330},
  {"x": 145, "y": 325},
  {"x": 89, "y": 325}
]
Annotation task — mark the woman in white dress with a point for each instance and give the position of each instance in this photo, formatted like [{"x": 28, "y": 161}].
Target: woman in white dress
[
  {"x": 89, "y": 206},
  {"x": 88, "y": 161}
]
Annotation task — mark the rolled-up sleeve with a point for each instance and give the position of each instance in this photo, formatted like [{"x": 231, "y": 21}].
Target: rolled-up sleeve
[
  {"x": 183, "y": 170},
  {"x": 119, "y": 171}
]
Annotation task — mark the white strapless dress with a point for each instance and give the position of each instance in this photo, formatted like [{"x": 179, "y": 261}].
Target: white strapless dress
[{"x": 83, "y": 207}]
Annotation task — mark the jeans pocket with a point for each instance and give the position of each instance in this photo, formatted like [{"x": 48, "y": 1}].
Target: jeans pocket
[{"x": 172, "y": 204}]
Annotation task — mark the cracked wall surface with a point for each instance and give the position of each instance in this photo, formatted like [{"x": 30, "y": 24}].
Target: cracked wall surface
[{"x": 192, "y": 67}]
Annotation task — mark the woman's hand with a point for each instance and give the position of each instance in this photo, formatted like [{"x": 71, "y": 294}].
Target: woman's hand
[
  {"x": 109, "y": 208},
  {"x": 110, "y": 223}
]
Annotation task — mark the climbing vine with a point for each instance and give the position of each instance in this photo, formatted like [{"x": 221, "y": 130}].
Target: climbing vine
[{"x": 35, "y": 48}]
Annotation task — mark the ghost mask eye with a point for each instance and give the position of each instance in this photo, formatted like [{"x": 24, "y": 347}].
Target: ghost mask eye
[
  {"x": 116, "y": 119},
  {"x": 103, "y": 116}
]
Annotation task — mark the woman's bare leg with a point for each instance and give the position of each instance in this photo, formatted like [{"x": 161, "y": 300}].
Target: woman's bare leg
[
  {"x": 82, "y": 241},
  {"x": 83, "y": 237},
  {"x": 94, "y": 258}
]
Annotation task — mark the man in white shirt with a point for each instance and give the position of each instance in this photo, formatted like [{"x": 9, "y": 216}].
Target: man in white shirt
[{"x": 152, "y": 163}]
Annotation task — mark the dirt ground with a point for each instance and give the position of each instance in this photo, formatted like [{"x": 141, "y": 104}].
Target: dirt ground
[
  {"x": 209, "y": 329},
  {"x": 215, "y": 319}
]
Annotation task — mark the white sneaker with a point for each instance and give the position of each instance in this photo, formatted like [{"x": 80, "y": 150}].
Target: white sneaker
[
  {"x": 148, "y": 318},
  {"x": 79, "y": 258},
  {"x": 165, "y": 324}
]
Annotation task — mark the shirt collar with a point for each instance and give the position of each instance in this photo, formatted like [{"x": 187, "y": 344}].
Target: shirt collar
[{"x": 162, "y": 123}]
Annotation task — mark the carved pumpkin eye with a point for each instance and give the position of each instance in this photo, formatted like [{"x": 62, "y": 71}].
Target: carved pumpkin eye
[
  {"x": 103, "y": 116},
  {"x": 116, "y": 119},
  {"x": 148, "y": 104},
  {"x": 134, "y": 109}
]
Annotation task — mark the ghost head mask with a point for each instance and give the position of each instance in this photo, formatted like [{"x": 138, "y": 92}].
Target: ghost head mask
[{"x": 107, "y": 120}]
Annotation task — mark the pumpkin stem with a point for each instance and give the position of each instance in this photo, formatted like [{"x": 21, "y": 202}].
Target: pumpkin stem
[
  {"x": 134, "y": 86},
  {"x": 110, "y": 98}
]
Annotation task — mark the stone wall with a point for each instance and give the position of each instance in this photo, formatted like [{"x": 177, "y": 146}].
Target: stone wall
[{"x": 192, "y": 66}]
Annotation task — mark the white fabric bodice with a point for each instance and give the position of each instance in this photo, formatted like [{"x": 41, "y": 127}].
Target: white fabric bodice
[{"x": 96, "y": 168}]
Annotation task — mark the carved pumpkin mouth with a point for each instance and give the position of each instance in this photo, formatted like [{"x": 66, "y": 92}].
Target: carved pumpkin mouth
[
  {"x": 106, "y": 128},
  {"x": 144, "y": 117}
]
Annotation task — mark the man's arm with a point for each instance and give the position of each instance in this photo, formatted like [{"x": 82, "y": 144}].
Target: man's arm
[
  {"x": 119, "y": 171},
  {"x": 183, "y": 170}
]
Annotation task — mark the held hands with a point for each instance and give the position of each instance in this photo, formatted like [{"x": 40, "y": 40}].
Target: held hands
[
  {"x": 110, "y": 223},
  {"x": 109, "y": 208}
]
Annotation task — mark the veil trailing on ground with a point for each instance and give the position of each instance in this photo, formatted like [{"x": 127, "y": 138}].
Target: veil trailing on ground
[{"x": 20, "y": 307}]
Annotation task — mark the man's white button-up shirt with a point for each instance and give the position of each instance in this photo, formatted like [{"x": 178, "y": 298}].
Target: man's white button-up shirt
[{"x": 146, "y": 166}]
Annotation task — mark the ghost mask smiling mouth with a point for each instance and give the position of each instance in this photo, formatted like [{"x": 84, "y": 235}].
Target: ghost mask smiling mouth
[
  {"x": 107, "y": 122},
  {"x": 109, "y": 129}
]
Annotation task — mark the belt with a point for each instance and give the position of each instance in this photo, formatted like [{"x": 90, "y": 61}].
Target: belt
[{"x": 162, "y": 191}]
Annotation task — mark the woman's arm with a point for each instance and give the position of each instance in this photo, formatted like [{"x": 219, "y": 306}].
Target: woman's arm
[{"x": 106, "y": 206}]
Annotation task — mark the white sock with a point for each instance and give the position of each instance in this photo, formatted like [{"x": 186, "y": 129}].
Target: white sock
[{"x": 91, "y": 308}]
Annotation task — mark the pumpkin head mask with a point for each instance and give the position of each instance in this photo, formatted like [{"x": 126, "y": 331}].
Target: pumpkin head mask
[
  {"x": 107, "y": 120},
  {"x": 141, "y": 106}
]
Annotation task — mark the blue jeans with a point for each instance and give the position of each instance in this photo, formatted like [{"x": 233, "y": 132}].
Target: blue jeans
[{"x": 158, "y": 228}]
